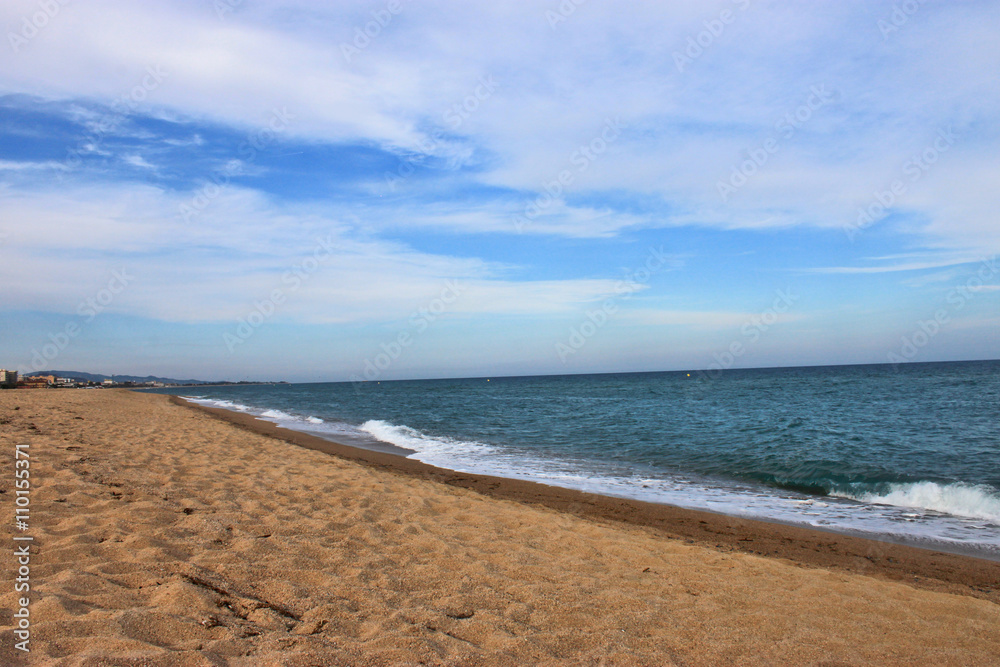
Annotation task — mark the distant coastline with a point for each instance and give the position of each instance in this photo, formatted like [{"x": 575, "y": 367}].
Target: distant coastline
[{"x": 77, "y": 379}]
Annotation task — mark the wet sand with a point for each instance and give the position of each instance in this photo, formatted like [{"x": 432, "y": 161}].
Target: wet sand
[{"x": 172, "y": 534}]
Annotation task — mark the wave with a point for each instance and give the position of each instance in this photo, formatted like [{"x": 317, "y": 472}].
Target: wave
[
  {"x": 278, "y": 414},
  {"x": 425, "y": 445},
  {"x": 283, "y": 418},
  {"x": 947, "y": 516},
  {"x": 965, "y": 501},
  {"x": 279, "y": 417},
  {"x": 218, "y": 403},
  {"x": 973, "y": 501}
]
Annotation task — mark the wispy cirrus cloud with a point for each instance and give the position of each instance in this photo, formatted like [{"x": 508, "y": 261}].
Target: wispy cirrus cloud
[{"x": 241, "y": 250}]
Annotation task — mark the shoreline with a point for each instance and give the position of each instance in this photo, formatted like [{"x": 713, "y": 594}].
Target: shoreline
[
  {"x": 808, "y": 547},
  {"x": 165, "y": 534}
]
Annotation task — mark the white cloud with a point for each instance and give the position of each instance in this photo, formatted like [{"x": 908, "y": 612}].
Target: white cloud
[
  {"x": 556, "y": 218},
  {"x": 237, "y": 253},
  {"x": 14, "y": 165},
  {"x": 556, "y": 90},
  {"x": 138, "y": 161},
  {"x": 557, "y": 87},
  {"x": 710, "y": 320},
  {"x": 948, "y": 261}
]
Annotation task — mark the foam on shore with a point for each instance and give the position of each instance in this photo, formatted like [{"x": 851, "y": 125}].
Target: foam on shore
[{"x": 956, "y": 518}]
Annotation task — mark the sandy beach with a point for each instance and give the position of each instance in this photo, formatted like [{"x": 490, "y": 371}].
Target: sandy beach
[{"x": 166, "y": 534}]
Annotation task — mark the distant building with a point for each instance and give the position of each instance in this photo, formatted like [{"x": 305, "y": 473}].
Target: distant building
[
  {"x": 108, "y": 383},
  {"x": 8, "y": 378},
  {"x": 65, "y": 382},
  {"x": 34, "y": 382}
]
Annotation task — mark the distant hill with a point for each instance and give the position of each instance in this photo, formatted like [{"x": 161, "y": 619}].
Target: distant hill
[{"x": 97, "y": 377}]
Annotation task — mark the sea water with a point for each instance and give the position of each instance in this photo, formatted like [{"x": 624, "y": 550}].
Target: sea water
[{"x": 907, "y": 453}]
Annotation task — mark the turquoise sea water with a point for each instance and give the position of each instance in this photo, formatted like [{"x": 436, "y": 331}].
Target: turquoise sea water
[{"x": 908, "y": 453}]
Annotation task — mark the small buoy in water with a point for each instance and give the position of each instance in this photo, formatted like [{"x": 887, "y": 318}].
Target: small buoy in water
[{"x": 689, "y": 375}]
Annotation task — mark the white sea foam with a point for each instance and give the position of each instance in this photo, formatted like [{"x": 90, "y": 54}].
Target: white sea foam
[
  {"x": 272, "y": 415},
  {"x": 946, "y": 516},
  {"x": 438, "y": 450},
  {"x": 278, "y": 415},
  {"x": 965, "y": 500},
  {"x": 875, "y": 516},
  {"x": 218, "y": 403}
]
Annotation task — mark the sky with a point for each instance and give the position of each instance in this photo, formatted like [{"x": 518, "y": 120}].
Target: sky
[{"x": 327, "y": 191}]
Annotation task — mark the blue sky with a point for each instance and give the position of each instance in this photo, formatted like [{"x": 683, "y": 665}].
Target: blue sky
[{"x": 325, "y": 191}]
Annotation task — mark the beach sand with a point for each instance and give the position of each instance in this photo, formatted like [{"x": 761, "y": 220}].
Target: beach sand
[{"x": 166, "y": 535}]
